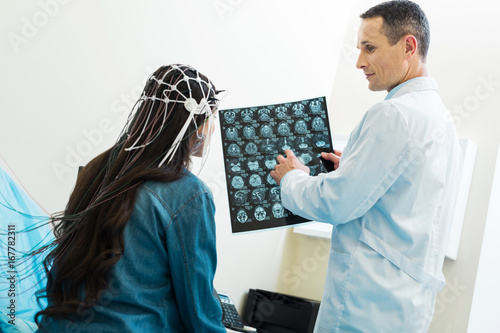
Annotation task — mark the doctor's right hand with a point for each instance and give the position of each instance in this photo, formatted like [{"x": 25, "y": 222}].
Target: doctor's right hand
[
  {"x": 285, "y": 164},
  {"x": 333, "y": 157}
]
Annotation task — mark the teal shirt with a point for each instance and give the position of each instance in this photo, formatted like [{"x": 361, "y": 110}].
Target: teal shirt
[{"x": 164, "y": 280}]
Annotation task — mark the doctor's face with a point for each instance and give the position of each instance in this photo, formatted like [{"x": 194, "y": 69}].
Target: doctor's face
[{"x": 382, "y": 63}]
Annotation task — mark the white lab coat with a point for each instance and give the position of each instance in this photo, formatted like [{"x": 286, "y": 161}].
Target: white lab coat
[{"x": 390, "y": 203}]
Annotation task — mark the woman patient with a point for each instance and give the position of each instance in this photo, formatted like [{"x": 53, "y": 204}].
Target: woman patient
[{"x": 135, "y": 248}]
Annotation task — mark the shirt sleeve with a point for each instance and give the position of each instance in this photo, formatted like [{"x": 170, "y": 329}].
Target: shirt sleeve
[
  {"x": 193, "y": 259},
  {"x": 379, "y": 151}
]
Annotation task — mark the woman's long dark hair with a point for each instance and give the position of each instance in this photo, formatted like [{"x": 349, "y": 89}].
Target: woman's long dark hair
[{"x": 89, "y": 233}]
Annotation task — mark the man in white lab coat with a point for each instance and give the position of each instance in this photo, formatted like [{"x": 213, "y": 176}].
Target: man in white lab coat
[{"x": 391, "y": 197}]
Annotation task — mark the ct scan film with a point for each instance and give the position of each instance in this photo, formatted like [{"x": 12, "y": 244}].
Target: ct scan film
[{"x": 252, "y": 138}]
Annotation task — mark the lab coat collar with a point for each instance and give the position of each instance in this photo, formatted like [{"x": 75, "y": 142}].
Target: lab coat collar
[{"x": 416, "y": 84}]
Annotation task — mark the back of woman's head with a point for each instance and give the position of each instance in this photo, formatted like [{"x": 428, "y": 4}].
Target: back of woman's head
[
  {"x": 155, "y": 145},
  {"x": 176, "y": 100}
]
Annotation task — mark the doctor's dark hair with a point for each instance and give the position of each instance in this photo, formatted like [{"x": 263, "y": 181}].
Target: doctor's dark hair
[
  {"x": 401, "y": 18},
  {"x": 89, "y": 232}
]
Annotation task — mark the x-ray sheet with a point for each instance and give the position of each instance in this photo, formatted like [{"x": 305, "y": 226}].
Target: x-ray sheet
[{"x": 252, "y": 138}]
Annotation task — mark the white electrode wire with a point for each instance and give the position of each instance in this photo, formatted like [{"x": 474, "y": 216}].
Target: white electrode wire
[
  {"x": 165, "y": 100},
  {"x": 171, "y": 152},
  {"x": 133, "y": 146}
]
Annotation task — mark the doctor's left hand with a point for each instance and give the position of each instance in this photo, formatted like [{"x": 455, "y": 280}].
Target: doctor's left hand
[{"x": 285, "y": 164}]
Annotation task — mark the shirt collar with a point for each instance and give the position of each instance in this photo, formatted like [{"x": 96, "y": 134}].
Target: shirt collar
[
  {"x": 416, "y": 84},
  {"x": 396, "y": 88}
]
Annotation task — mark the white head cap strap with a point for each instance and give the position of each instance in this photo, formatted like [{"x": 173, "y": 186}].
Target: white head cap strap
[{"x": 204, "y": 107}]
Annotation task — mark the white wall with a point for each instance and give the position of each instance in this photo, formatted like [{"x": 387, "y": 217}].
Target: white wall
[
  {"x": 483, "y": 316},
  {"x": 463, "y": 56},
  {"x": 71, "y": 70}
]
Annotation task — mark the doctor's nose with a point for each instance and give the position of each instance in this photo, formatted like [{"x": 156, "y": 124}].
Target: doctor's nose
[{"x": 361, "y": 63}]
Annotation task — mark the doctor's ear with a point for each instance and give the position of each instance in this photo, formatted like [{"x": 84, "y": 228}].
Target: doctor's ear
[{"x": 411, "y": 45}]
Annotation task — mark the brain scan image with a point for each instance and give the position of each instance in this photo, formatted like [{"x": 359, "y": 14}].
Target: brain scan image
[
  {"x": 281, "y": 112},
  {"x": 298, "y": 110},
  {"x": 300, "y": 127},
  {"x": 240, "y": 198},
  {"x": 267, "y": 147},
  {"x": 305, "y": 158},
  {"x": 238, "y": 182},
  {"x": 249, "y": 132},
  {"x": 315, "y": 106},
  {"x": 264, "y": 114},
  {"x": 318, "y": 124},
  {"x": 266, "y": 131},
  {"x": 242, "y": 216},
  {"x": 278, "y": 210},
  {"x": 247, "y": 115},
  {"x": 258, "y": 195},
  {"x": 275, "y": 194},
  {"x": 285, "y": 143},
  {"x": 253, "y": 164},
  {"x": 313, "y": 170},
  {"x": 270, "y": 180},
  {"x": 255, "y": 180},
  {"x": 270, "y": 163},
  {"x": 252, "y": 138},
  {"x": 320, "y": 140},
  {"x": 235, "y": 166},
  {"x": 302, "y": 142},
  {"x": 232, "y": 134},
  {"x": 251, "y": 148},
  {"x": 233, "y": 150},
  {"x": 260, "y": 213},
  {"x": 284, "y": 129},
  {"x": 229, "y": 117}
]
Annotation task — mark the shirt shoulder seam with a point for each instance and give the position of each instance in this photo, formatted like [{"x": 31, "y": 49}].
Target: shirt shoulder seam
[{"x": 180, "y": 209}]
